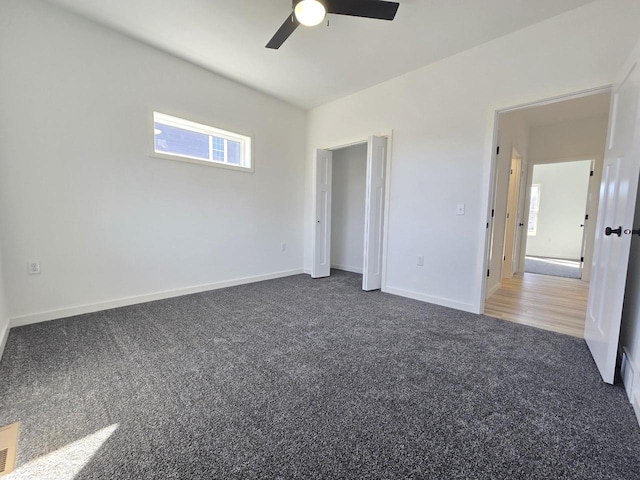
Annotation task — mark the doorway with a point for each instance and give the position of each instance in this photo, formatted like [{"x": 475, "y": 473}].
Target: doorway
[
  {"x": 349, "y": 175},
  {"x": 548, "y": 160},
  {"x": 557, "y": 233},
  {"x": 364, "y": 220}
]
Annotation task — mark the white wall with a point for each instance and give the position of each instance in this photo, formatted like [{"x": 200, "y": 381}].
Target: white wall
[
  {"x": 563, "y": 203},
  {"x": 513, "y": 133},
  {"x": 442, "y": 117},
  {"x": 80, "y": 193},
  {"x": 349, "y": 171}
]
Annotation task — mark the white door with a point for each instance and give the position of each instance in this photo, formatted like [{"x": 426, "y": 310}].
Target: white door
[
  {"x": 585, "y": 225},
  {"x": 322, "y": 222},
  {"x": 511, "y": 224},
  {"x": 614, "y": 223},
  {"x": 517, "y": 251},
  {"x": 374, "y": 214}
]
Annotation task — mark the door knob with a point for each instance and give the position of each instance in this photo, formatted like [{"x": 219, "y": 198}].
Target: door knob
[
  {"x": 608, "y": 231},
  {"x": 582, "y": 224}
]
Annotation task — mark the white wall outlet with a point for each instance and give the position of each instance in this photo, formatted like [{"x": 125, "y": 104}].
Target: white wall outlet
[
  {"x": 421, "y": 260},
  {"x": 33, "y": 268},
  {"x": 283, "y": 247},
  {"x": 460, "y": 209}
]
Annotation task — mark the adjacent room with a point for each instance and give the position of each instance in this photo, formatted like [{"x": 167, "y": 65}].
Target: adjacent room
[
  {"x": 294, "y": 239},
  {"x": 545, "y": 211}
]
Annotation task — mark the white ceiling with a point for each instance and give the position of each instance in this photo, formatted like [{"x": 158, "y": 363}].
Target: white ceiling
[
  {"x": 316, "y": 65},
  {"x": 580, "y": 108}
]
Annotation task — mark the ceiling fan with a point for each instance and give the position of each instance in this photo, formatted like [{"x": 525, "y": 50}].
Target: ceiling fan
[{"x": 313, "y": 12}]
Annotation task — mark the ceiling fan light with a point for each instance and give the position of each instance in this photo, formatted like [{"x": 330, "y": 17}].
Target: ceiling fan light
[{"x": 310, "y": 12}]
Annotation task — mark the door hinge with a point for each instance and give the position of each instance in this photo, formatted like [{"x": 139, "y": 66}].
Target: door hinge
[
  {"x": 488, "y": 272},
  {"x": 498, "y": 150},
  {"x": 512, "y": 171},
  {"x": 586, "y": 217},
  {"x": 487, "y": 224},
  {"x": 582, "y": 259},
  {"x": 591, "y": 174},
  {"x": 504, "y": 259},
  {"x": 492, "y": 212},
  {"x": 507, "y": 215}
]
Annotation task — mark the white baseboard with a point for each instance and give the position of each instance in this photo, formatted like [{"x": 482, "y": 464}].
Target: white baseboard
[
  {"x": 630, "y": 373},
  {"x": 123, "y": 302},
  {"x": 636, "y": 404},
  {"x": 494, "y": 289},
  {"x": 4, "y": 334},
  {"x": 348, "y": 269},
  {"x": 445, "y": 302}
]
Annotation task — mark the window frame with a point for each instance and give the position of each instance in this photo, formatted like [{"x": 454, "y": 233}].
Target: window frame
[
  {"x": 534, "y": 210},
  {"x": 246, "y": 143}
]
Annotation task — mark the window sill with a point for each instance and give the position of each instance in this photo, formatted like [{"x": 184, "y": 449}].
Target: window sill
[{"x": 196, "y": 161}]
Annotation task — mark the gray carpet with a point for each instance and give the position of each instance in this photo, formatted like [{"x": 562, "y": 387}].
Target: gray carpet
[
  {"x": 310, "y": 379},
  {"x": 552, "y": 266}
]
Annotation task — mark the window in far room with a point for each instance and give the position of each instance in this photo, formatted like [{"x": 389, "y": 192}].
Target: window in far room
[
  {"x": 534, "y": 208},
  {"x": 181, "y": 139}
]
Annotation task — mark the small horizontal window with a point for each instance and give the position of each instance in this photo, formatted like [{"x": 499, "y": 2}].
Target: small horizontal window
[{"x": 192, "y": 141}]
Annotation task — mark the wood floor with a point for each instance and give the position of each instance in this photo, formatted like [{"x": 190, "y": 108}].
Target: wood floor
[{"x": 552, "y": 303}]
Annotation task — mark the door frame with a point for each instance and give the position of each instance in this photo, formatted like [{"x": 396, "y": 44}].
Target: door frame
[
  {"x": 593, "y": 191},
  {"x": 387, "y": 194},
  {"x": 494, "y": 164}
]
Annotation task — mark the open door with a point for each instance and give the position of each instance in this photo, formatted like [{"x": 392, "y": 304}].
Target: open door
[
  {"x": 614, "y": 224},
  {"x": 517, "y": 265},
  {"x": 374, "y": 214},
  {"x": 585, "y": 226},
  {"x": 511, "y": 225},
  {"x": 321, "y": 266}
]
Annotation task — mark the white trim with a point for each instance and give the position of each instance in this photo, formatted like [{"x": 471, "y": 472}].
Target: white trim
[
  {"x": 348, "y": 269},
  {"x": 445, "y": 302},
  {"x": 627, "y": 372},
  {"x": 307, "y": 271},
  {"x": 558, "y": 98},
  {"x": 494, "y": 289},
  {"x": 3, "y": 339},
  {"x": 387, "y": 208},
  {"x": 197, "y": 161},
  {"x": 630, "y": 373},
  {"x": 122, "y": 302}
]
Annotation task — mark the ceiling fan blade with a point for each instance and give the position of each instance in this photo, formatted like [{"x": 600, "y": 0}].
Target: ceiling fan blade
[
  {"x": 363, "y": 8},
  {"x": 287, "y": 28}
]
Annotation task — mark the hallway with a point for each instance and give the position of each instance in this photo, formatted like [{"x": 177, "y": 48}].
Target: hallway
[{"x": 551, "y": 303}]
